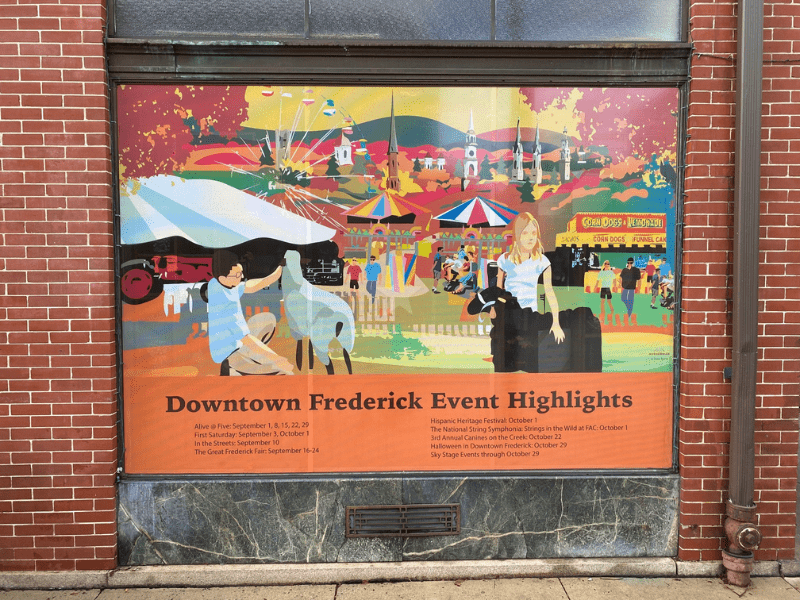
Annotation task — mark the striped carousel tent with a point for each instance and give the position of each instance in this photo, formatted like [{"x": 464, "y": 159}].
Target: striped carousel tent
[
  {"x": 477, "y": 212},
  {"x": 386, "y": 207}
]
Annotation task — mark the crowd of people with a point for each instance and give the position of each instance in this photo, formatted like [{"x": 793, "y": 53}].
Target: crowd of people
[
  {"x": 660, "y": 284},
  {"x": 519, "y": 273},
  {"x": 459, "y": 271},
  {"x": 368, "y": 274},
  {"x": 659, "y": 280}
]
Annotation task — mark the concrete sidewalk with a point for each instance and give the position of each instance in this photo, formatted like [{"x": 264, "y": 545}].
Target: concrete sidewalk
[{"x": 563, "y": 588}]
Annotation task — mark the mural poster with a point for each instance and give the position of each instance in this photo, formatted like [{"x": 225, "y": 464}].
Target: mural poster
[{"x": 362, "y": 279}]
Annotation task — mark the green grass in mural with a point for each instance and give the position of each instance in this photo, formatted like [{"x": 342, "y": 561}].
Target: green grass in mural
[
  {"x": 429, "y": 335},
  {"x": 257, "y": 182},
  {"x": 393, "y": 346},
  {"x": 643, "y": 353}
]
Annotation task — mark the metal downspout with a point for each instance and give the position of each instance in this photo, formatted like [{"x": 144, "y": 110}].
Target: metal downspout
[{"x": 743, "y": 535}]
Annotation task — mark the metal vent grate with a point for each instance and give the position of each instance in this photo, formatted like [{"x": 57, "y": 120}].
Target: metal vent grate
[{"x": 403, "y": 520}]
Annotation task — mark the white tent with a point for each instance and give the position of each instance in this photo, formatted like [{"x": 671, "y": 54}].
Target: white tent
[{"x": 209, "y": 213}]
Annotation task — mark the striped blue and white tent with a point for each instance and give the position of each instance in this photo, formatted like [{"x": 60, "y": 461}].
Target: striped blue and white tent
[
  {"x": 477, "y": 212},
  {"x": 209, "y": 213}
]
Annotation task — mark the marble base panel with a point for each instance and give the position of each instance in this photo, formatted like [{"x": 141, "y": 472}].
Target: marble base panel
[{"x": 224, "y": 521}]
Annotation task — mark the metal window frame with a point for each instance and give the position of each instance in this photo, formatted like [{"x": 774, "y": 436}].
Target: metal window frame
[
  {"x": 399, "y": 63},
  {"x": 131, "y": 61}
]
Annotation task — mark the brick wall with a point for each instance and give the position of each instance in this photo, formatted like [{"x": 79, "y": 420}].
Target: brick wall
[
  {"x": 706, "y": 329},
  {"x": 57, "y": 374},
  {"x": 58, "y": 408}
]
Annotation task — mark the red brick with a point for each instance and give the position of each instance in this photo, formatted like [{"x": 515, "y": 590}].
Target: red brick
[{"x": 706, "y": 344}]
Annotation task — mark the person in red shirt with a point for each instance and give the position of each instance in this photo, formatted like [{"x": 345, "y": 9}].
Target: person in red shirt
[
  {"x": 354, "y": 273},
  {"x": 650, "y": 269}
]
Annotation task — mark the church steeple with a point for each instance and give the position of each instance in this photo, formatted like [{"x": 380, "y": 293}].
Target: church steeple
[
  {"x": 471, "y": 139},
  {"x": 565, "y": 157},
  {"x": 517, "y": 170},
  {"x": 537, "y": 157},
  {"x": 392, "y": 181},
  {"x": 471, "y": 150},
  {"x": 392, "y": 133},
  {"x": 518, "y": 141}
]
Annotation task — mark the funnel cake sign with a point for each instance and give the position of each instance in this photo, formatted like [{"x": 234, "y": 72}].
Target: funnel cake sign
[{"x": 360, "y": 279}]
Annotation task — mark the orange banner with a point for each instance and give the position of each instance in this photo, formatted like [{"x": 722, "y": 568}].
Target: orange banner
[
  {"x": 618, "y": 222},
  {"x": 389, "y": 423},
  {"x": 615, "y": 229}
]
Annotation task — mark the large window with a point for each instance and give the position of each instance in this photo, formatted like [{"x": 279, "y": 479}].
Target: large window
[
  {"x": 433, "y": 20},
  {"x": 455, "y": 257},
  {"x": 322, "y": 279}
]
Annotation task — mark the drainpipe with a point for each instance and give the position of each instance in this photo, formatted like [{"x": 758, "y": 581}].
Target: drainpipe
[{"x": 743, "y": 535}]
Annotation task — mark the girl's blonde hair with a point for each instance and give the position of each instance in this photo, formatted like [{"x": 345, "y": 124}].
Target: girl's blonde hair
[{"x": 520, "y": 223}]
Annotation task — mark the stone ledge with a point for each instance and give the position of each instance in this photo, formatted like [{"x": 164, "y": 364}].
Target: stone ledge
[
  {"x": 418, "y": 571},
  {"x": 53, "y": 580},
  {"x": 790, "y": 568},
  {"x": 295, "y": 574},
  {"x": 715, "y": 569}
]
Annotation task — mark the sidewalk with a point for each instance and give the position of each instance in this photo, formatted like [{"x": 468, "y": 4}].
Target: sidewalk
[{"x": 564, "y": 588}]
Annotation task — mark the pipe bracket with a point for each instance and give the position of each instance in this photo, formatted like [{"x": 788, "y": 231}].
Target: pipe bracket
[{"x": 740, "y": 513}]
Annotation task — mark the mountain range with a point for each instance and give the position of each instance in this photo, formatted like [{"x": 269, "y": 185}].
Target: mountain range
[{"x": 413, "y": 132}]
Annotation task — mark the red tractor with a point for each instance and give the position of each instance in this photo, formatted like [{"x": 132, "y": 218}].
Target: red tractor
[{"x": 142, "y": 280}]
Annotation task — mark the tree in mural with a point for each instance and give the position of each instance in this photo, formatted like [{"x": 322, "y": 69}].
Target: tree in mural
[
  {"x": 485, "y": 171},
  {"x": 417, "y": 166},
  {"x": 458, "y": 171},
  {"x": 159, "y": 126},
  {"x": 333, "y": 167},
  {"x": 292, "y": 177},
  {"x": 627, "y": 121},
  {"x": 359, "y": 165},
  {"x": 266, "y": 156},
  {"x": 668, "y": 173},
  {"x": 502, "y": 167},
  {"x": 526, "y": 191}
]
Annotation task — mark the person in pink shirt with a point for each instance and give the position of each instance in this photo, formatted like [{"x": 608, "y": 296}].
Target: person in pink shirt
[
  {"x": 650, "y": 269},
  {"x": 354, "y": 273}
]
